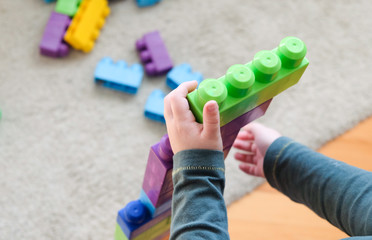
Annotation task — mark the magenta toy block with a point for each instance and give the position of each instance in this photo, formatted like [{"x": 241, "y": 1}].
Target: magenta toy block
[
  {"x": 157, "y": 183},
  {"x": 52, "y": 43},
  {"x": 154, "y": 54}
]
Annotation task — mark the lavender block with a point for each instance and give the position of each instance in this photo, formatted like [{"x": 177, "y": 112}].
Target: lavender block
[
  {"x": 236, "y": 124},
  {"x": 157, "y": 183},
  {"x": 230, "y": 131},
  {"x": 52, "y": 43},
  {"x": 154, "y": 54}
]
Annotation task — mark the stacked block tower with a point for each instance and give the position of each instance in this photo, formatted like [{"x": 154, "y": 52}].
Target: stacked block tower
[{"x": 243, "y": 94}]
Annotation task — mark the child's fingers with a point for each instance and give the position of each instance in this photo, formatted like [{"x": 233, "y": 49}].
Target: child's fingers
[
  {"x": 179, "y": 103},
  {"x": 245, "y": 158},
  {"x": 245, "y": 135},
  {"x": 211, "y": 119},
  {"x": 167, "y": 109},
  {"x": 250, "y": 169},
  {"x": 243, "y": 145}
]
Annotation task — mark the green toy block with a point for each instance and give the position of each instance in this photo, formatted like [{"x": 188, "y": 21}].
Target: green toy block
[
  {"x": 67, "y": 7},
  {"x": 119, "y": 235},
  {"x": 155, "y": 231},
  {"x": 245, "y": 87}
]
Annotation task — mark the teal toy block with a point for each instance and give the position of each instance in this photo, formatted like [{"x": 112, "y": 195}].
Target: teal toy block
[
  {"x": 49, "y": 1},
  {"x": 68, "y": 7},
  {"x": 180, "y": 74},
  {"x": 154, "y": 211},
  {"x": 146, "y": 3},
  {"x": 119, "y": 76},
  {"x": 245, "y": 87},
  {"x": 154, "y": 107}
]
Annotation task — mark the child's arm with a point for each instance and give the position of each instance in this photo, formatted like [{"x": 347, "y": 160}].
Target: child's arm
[
  {"x": 198, "y": 207},
  {"x": 336, "y": 191}
]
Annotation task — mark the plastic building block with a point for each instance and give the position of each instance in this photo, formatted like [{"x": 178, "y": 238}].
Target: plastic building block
[
  {"x": 157, "y": 183},
  {"x": 156, "y": 228},
  {"x": 164, "y": 236},
  {"x": 132, "y": 217},
  {"x": 146, "y": 3},
  {"x": 49, "y": 1},
  {"x": 180, "y": 74},
  {"x": 85, "y": 26},
  {"x": 52, "y": 43},
  {"x": 154, "y": 211},
  {"x": 246, "y": 86},
  {"x": 135, "y": 222},
  {"x": 244, "y": 119},
  {"x": 154, "y": 107},
  {"x": 119, "y": 235},
  {"x": 119, "y": 76},
  {"x": 154, "y": 54},
  {"x": 230, "y": 131},
  {"x": 68, "y": 7}
]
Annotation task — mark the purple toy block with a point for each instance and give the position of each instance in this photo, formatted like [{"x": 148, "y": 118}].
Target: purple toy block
[
  {"x": 154, "y": 54},
  {"x": 244, "y": 119},
  {"x": 52, "y": 43},
  {"x": 157, "y": 183},
  {"x": 231, "y": 130}
]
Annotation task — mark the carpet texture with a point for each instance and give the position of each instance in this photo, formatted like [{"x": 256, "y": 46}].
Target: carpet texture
[{"x": 73, "y": 153}]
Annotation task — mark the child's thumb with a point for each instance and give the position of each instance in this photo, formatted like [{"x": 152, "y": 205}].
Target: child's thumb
[{"x": 211, "y": 119}]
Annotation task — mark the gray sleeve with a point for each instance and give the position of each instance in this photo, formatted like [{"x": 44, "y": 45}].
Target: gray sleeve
[
  {"x": 336, "y": 191},
  {"x": 198, "y": 207}
]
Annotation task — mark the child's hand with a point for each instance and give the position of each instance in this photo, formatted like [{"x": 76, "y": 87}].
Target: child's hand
[
  {"x": 184, "y": 132},
  {"x": 254, "y": 139}
]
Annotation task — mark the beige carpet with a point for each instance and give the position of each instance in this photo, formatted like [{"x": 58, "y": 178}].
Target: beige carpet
[{"x": 73, "y": 153}]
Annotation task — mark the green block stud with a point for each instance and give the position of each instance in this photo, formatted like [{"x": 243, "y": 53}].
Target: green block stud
[
  {"x": 67, "y": 7},
  {"x": 245, "y": 87}
]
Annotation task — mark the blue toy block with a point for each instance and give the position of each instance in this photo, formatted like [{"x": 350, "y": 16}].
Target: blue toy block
[
  {"x": 118, "y": 75},
  {"x": 154, "y": 108},
  {"x": 154, "y": 211},
  {"x": 135, "y": 222},
  {"x": 182, "y": 73},
  {"x": 49, "y": 1},
  {"x": 146, "y": 3},
  {"x": 132, "y": 217}
]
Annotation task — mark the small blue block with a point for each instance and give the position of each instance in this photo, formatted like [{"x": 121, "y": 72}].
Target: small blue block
[
  {"x": 182, "y": 73},
  {"x": 154, "y": 211},
  {"x": 132, "y": 216},
  {"x": 49, "y": 1},
  {"x": 146, "y": 3},
  {"x": 118, "y": 75},
  {"x": 154, "y": 108}
]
